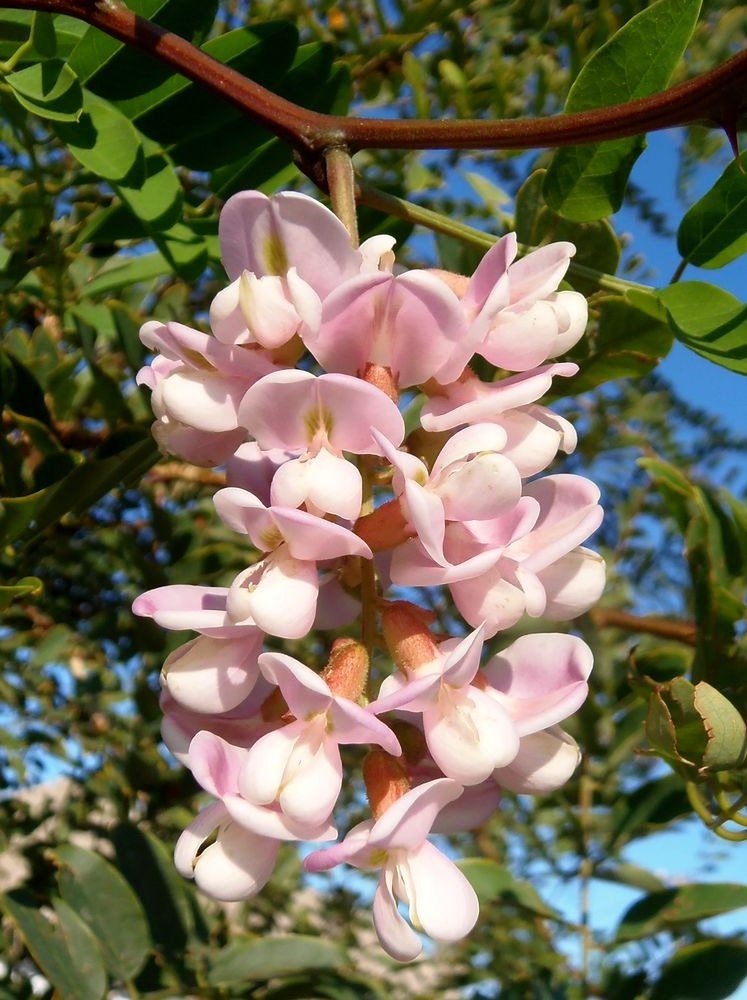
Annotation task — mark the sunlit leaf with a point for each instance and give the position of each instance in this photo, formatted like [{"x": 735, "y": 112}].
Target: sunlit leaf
[
  {"x": 271, "y": 956},
  {"x": 49, "y": 89},
  {"x": 714, "y": 231},
  {"x": 588, "y": 182}
]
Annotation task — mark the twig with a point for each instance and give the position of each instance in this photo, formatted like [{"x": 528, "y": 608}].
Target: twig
[{"x": 716, "y": 98}]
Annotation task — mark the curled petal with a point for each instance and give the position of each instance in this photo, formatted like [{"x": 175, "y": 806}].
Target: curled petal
[
  {"x": 396, "y": 936},
  {"x": 442, "y": 902},
  {"x": 238, "y": 865},
  {"x": 545, "y": 761},
  {"x": 213, "y": 675},
  {"x": 469, "y": 734},
  {"x": 278, "y": 594},
  {"x": 408, "y": 821}
]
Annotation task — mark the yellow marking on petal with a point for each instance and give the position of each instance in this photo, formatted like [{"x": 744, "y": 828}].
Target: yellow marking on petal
[
  {"x": 274, "y": 255},
  {"x": 270, "y": 538},
  {"x": 319, "y": 420},
  {"x": 198, "y": 360}
]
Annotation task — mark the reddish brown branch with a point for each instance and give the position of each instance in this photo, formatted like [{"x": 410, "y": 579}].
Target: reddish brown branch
[
  {"x": 664, "y": 628},
  {"x": 717, "y": 98}
]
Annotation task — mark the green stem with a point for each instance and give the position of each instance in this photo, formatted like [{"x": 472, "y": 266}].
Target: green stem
[
  {"x": 341, "y": 183},
  {"x": 10, "y": 64},
  {"x": 419, "y": 215}
]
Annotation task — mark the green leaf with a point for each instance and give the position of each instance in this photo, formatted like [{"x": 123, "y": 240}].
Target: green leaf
[
  {"x": 626, "y": 343},
  {"x": 588, "y": 182},
  {"x": 43, "y": 37},
  {"x": 116, "y": 70},
  {"x": 708, "y": 970},
  {"x": 709, "y": 321},
  {"x": 66, "y": 952},
  {"x": 156, "y": 198},
  {"x": 597, "y": 245},
  {"x": 149, "y": 868},
  {"x": 492, "y": 882},
  {"x": 18, "y": 25},
  {"x": 714, "y": 231},
  {"x": 49, "y": 89},
  {"x": 181, "y": 114},
  {"x": 653, "y": 805},
  {"x": 29, "y": 586},
  {"x": 75, "y": 492},
  {"x": 123, "y": 272},
  {"x": 99, "y": 894},
  {"x": 273, "y": 956},
  {"x": 102, "y": 140}
]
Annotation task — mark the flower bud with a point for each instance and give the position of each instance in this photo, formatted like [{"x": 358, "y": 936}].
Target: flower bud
[
  {"x": 407, "y": 636},
  {"x": 384, "y": 528},
  {"x": 346, "y": 672},
  {"x": 381, "y": 377},
  {"x": 385, "y": 780}
]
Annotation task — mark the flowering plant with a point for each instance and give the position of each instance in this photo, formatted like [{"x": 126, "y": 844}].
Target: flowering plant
[{"x": 365, "y": 458}]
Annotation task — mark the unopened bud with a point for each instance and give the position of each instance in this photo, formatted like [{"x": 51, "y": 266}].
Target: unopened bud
[
  {"x": 385, "y": 780},
  {"x": 384, "y": 528},
  {"x": 382, "y": 378},
  {"x": 407, "y": 636},
  {"x": 346, "y": 673},
  {"x": 458, "y": 283}
]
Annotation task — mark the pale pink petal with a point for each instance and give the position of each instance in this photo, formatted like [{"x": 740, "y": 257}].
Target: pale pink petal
[
  {"x": 476, "y": 401},
  {"x": 462, "y": 658},
  {"x": 278, "y": 595},
  {"x": 184, "y": 606},
  {"x": 534, "y": 436},
  {"x": 395, "y": 935},
  {"x": 313, "y": 778},
  {"x": 192, "y": 837},
  {"x": 425, "y": 515},
  {"x": 481, "y": 489},
  {"x": 305, "y": 692},
  {"x": 263, "y": 769},
  {"x": 356, "y": 408},
  {"x": 489, "y": 599},
  {"x": 205, "y": 401},
  {"x": 253, "y": 469},
  {"x": 472, "y": 809},
  {"x": 545, "y": 761},
  {"x": 271, "y": 822},
  {"x": 540, "y": 272},
  {"x": 573, "y": 583},
  {"x": 238, "y": 865},
  {"x": 521, "y": 340},
  {"x": 270, "y": 317},
  {"x": 314, "y": 538},
  {"x": 491, "y": 269},
  {"x": 469, "y": 734},
  {"x": 572, "y": 312},
  {"x": 271, "y": 235},
  {"x": 274, "y": 409},
  {"x": 213, "y": 675},
  {"x": 226, "y": 319},
  {"x": 411, "y": 695},
  {"x": 353, "y": 724},
  {"x": 407, "y": 822},
  {"x": 442, "y": 901},
  {"x": 467, "y": 443},
  {"x": 215, "y": 763},
  {"x": 329, "y": 482},
  {"x": 352, "y": 850}
]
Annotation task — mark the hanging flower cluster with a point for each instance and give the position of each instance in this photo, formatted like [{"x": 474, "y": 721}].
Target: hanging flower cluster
[{"x": 317, "y": 349}]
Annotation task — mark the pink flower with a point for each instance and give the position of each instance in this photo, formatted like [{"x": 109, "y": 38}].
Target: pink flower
[
  {"x": 298, "y": 766},
  {"x": 320, "y": 417},
  {"x": 518, "y": 319},
  {"x": 469, "y": 733},
  {"x": 441, "y": 902}
]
